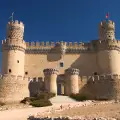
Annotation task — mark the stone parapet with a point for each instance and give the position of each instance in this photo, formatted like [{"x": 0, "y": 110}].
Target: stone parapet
[
  {"x": 102, "y": 86},
  {"x": 32, "y": 45},
  {"x": 13, "y": 88},
  {"x": 108, "y": 24},
  {"x": 50, "y": 71},
  {"x": 57, "y": 47},
  {"x": 72, "y": 71}
]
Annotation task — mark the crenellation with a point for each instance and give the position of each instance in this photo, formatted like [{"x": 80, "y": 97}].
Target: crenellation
[
  {"x": 75, "y": 44},
  {"x": 57, "y": 43},
  {"x": 47, "y": 44},
  {"x": 108, "y": 76},
  {"x": 15, "y": 77},
  {"x": 37, "y": 44},
  {"x": 42, "y": 44},
  {"x": 3, "y": 42},
  {"x": 27, "y": 44},
  {"x": 16, "y": 24},
  {"x": 70, "y": 44},
  {"x": 35, "y": 79},
  {"x": 52, "y": 44},
  {"x": 49, "y": 71},
  {"x": 74, "y": 47}
]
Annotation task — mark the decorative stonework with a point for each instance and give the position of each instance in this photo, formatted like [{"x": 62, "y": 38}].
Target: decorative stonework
[
  {"x": 63, "y": 51},
  {"x": 15, "y": 30},
  {"x": 62, "y": 47},
  {"x": 50, "y": 71},
  {"x": 72, "y": 71},
  {"x": 13, "y": 47}
]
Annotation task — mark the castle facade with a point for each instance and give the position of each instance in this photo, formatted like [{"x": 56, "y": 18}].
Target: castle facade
[{"x": 61, "y": 63}]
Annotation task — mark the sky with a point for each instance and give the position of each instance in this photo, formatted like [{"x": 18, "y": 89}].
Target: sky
[{"x": 55, "y": 20}]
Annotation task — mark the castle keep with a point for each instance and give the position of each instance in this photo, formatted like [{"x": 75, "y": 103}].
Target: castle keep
[{"x": 62, "y": 67}]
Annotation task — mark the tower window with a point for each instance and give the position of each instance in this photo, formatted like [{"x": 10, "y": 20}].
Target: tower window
[
  {"x": 26, "y": 73},
  {"x": 9, "y": 70},
  {"x": 17, "y": 61},
  {"x": 61, "y": 64}
]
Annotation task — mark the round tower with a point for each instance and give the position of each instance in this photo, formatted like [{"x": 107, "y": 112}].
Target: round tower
[
  {"x": 51, "y": 80},
  {"x": 107, "y": 30},
  {"x": 108, "y": 55},
  {"x": 13, "y": 49},
  {"x": 72, "y": 80}
]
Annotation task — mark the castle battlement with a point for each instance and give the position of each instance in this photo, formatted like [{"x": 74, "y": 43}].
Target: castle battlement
[
  {"x": 14, "y": 77},
  {"x": 15, "y": 23},
  {"x": 32, "y": 45},
  {"x": 107, "y": 25},
  {"x": 36, "y": 79},
  {"x": 45, "y": 47},
  {"x": 96, "y": 78},
  {"x": 10, "y": 42}
]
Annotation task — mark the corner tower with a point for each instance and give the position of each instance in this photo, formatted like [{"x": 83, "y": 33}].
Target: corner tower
[
  {"x": 107, "y": 30},
  {"x": 108, "y": 49},
  {"x": 13, "y": 49}
]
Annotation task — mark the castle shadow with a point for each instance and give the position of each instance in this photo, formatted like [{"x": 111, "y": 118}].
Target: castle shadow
[
  {"x": 54, "y": 57},
  {"x": 102, "y": 89},
  {"x": 86, "y": 63},
  {"x": 36, "y": 85}
]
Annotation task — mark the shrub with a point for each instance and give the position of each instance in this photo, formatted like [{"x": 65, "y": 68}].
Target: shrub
[
  {"x": 39, "y": 100},
  {"x": 41, "y": 103},
  {"x": 79, "y": 97},
  {"x": 28, "y": 99},
  {"x": 44, "y": 95}
]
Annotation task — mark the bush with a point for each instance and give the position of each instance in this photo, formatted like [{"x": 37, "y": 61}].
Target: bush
[
  {"x": 28, "y": 100},
  {"x": 44, "y": 95},
  {"x": 41, "y": 103},
  {"x": 79, "y": 97},
  {"x": 39, "y": 100}
]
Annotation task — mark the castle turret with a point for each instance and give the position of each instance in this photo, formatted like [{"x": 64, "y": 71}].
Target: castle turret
[
  {"x": 13, "y": 49},
  {"x": 51, "y": 80},
  {"x": 107, "y": 30},
  {"x": 72, "y": 80},
  {"x": 108, "y": 55}
]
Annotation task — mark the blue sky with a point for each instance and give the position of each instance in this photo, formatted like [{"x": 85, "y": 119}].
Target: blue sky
[{"x": 68, "y": 20}]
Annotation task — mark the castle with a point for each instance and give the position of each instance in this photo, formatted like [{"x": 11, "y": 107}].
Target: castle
[{"x": 61, "y": 67}]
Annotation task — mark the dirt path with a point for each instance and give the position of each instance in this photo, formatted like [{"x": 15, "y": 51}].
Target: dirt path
[
  {"x": 103, "y": 110},
  {"x": 98, "y": 110},
  {"x": 20, "y": 114}
]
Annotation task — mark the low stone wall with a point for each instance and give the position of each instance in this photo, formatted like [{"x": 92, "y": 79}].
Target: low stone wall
[
  {"x": 13, "y": 88},
  {"x": 102, "y": 87},
  {"x": 72, "y": 118}
]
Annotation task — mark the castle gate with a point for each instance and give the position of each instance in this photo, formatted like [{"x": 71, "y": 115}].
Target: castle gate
[{"x": 60, "y": 85}]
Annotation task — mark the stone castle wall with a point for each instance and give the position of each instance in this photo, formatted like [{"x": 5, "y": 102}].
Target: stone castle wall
[
  {"x": 36, "y": 63},
  {"x": 101, "y": 87},
  {"x": 13, "y": 88}
]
